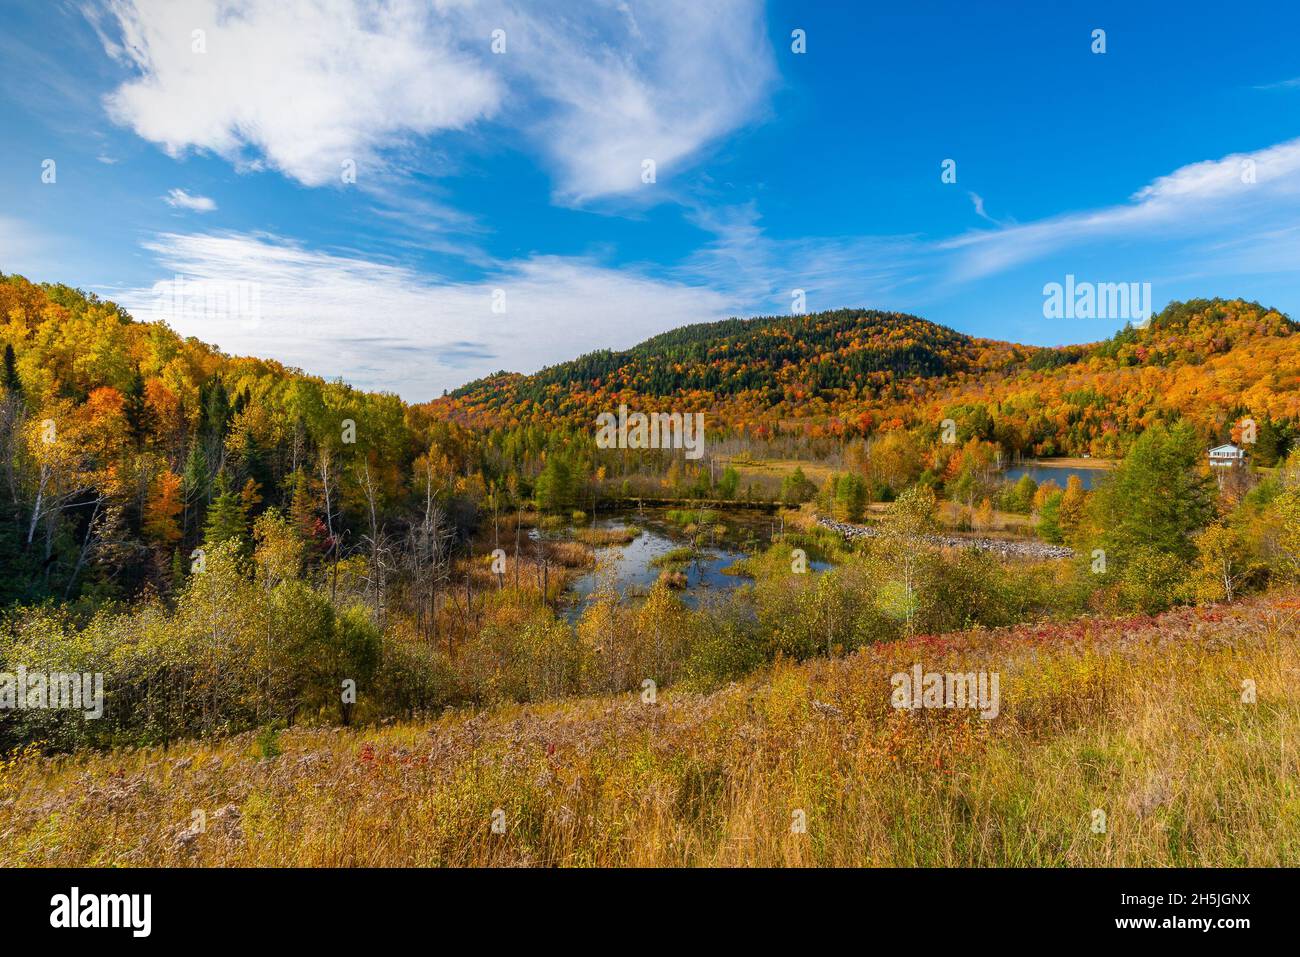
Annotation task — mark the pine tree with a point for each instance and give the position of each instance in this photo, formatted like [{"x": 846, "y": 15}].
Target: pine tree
[
  {"x": 252, "y": 460},
  {"x": 12, "y": 383},
  {"x": 729, "y": 482},
  {"x": 555, "y": 485},
  {"x": 1156, "y": 499},
  {"x": 850, "y": 498},
  {"x": 216, "y": 410},
  {"x": 195, "y": 480},
  {"x": 194, "y": 486},
  {"x": 1049, "y": 518},
  {"x": 226, "y": 516},
  {"x": 136, "y": 410},
  {"x": 178, "y": 570},
  {"x": 302, "y": 509}
]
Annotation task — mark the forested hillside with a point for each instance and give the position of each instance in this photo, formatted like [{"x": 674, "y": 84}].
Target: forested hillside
[
  {"x": 127, "y": 447},
  {"x": 854, "y": 372}
]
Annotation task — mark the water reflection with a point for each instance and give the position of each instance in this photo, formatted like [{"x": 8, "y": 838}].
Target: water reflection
[{"x": 631, "y": 568}]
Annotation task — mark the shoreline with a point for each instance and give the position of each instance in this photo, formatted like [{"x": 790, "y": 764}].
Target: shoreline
[
  {"x": 1006, "y": 548},
  {"x": 1065, "y": 462}
]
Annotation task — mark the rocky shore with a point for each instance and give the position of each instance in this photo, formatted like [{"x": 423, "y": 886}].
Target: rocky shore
[{"x": 1005, "y": 548}]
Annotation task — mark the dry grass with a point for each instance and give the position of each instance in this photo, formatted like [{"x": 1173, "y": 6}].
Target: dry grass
[
  {"x": 1142, "y": 718},
  {"x": 772, "y": 471},
  {"x": 601, "y": 537},
  {"x": 1070, "y": 462},
  {"x": 571, "y": 554}
]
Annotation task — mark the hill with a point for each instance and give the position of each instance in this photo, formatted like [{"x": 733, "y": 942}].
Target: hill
[
  {"x": 852, "y": 372},
  {"x": 126, "y": 446}
]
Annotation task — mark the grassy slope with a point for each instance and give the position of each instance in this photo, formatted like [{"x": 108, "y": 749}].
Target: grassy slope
[{"x": 1142, "y": 718}]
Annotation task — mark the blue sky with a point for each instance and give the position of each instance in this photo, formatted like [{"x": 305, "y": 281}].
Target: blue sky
[{"x": 499, "y": 216}]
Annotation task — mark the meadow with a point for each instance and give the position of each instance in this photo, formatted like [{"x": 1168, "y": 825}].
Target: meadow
[{"x": 1147, "y": 720}]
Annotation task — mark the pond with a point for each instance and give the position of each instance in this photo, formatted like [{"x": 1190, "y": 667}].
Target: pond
[
  {"x": 631, "y": 570},
  {"x": 1088, "y": 475}
]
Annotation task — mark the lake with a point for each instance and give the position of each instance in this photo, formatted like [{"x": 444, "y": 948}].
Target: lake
[
  {"x": 1060, "y": 475},
  {"x": 630, "y": 570}
]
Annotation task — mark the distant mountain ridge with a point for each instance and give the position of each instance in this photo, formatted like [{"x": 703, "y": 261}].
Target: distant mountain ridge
[
  {"x": 855, "y": 371},
  {"x": 839, "y": 374}
]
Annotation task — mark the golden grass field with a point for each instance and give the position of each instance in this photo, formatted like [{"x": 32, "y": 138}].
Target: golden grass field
[
  {"x": 1141, "y": 718},
  {"x": 774, "y": 470}
]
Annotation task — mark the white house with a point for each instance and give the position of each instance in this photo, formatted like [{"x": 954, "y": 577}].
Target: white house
[{"x": 1227, "y": 456}]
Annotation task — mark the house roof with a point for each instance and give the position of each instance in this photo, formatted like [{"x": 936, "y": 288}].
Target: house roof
[{"x": 1228, "y": 449}]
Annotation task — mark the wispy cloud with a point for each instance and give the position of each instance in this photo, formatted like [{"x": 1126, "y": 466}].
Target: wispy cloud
[
  {"x": 668, "y": 79},
  {"x": 1234, "y": 215},
  {"x": 180, "y": 199},
  {"x": 306, "y": 87},
  {"x": 1248, "y": 191},
  {"x": 385, "y": 326},
  {"x": 1291, "y": 84},
  {"x": 302, "y": 87},
  {"x": 978, "y": 202},
  {"x": 767, "y": 273}
]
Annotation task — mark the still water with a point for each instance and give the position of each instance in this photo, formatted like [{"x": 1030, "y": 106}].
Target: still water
[
  {"x": 630, "y": 570},
  {"x": 1040, "y": 474}
]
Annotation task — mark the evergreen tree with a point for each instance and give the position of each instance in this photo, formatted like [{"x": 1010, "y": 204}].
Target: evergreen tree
[
  {"x": 178, "y": 570},
  {"x": 12, "y": 383},
  {"x": 252, "y": 460},
  {"x": 850, "y": 498},
  {"x": 1156, "y": 499},
  {"x": 555, "y": 485},
  {"x": 226, "y": 516},
  {"x": 302, "y": 510},
  {"x": 194, "y": 486},
  {"x": 728, "y": 483},
  {"x": 796, "y": 488},
  {"x": 1049, "y": 518},
  {"x": 136, "y": 410}
]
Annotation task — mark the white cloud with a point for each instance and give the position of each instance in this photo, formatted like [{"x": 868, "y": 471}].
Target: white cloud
[
  {"x": 665, "y": 80},
  {"x": 1206, "y": 215},
  {"x": 385, "y": 326},
  {"x": 382, "y": 325},
  {"x": 763, "y": 273},
  {"x": 1241, "y": 191},
  {"x": 1291, "y": 84},
  {"x": 303, "y": 85},
  {"x": 179, "y": 199},
  {"x": 978, "y": 202}
]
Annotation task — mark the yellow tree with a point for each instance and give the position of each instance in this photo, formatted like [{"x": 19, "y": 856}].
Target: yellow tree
[
  {"x": 1221, "y": 563},
  {"x": 1072, "y": 507}
]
